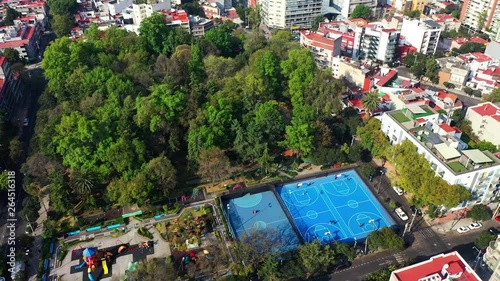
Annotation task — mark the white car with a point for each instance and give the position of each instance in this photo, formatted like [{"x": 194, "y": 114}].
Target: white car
[
  {"x": 463, "y": 229},
  {"x": 399, "y": 191},
  {"x": 401, "y": 214},
  {"x": 26, "y": 122},
  {"x": 475, "y": 225}
]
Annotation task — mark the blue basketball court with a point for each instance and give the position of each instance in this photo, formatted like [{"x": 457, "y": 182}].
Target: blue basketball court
[
  {"x": 260, "y": 211},
  {"x": 337, "y": 207}
]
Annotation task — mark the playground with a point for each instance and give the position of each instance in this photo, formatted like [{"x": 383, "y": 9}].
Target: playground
[
  {"x": 336, "y": 207},
  {"x": 259, "y": 211}
]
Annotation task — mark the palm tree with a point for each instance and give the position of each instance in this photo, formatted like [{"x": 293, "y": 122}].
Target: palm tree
[
  {"x": 83, "y": 183},
  {"x": 371, "y": 101}
]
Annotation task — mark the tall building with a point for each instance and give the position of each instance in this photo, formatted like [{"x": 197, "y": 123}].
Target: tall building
[
  {"x": 290, "y": 13},
  {"x": 10, "y": 88},
  {"x": 418, "y": 5},
  {"x": 378, "y": 43},
  {"x": 492, "y": 259},
  {"x": 451, "y": 266},
  {"x": 481, "y": 15},
  {"x": 447, "y": 154},
  {"x": 422, "y": 34},
  {"x": 345, "y": 7},
  {"x": 142, "y": 11},
  {"x": 323, "y": 47}
]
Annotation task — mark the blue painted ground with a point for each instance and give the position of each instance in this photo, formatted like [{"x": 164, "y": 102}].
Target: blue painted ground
[
  {"x": 270, "y": 216},
  {"x": 338, "y": 207}
]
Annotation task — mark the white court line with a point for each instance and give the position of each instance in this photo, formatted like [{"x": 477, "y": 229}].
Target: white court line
[
  {"x": 359, "y": 202},
  {"x": 375, "y": 205},
  {"x": 340, "y": 215},
  {"x": 310, "y": 218}
]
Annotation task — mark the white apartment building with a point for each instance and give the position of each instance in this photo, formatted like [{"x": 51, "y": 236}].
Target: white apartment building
[
  {"x": 448, "y": 156},
  {"x": 289, "y": 13},
  {"x": 142, "y": 11},
  {"x": 485, "y": 121},
  {"x": 378, "y": 43},
  {"x": 492, "y": 259},
  {"x": 481, "y": 15},
  {"x": 345, "y": 7},
  {"x": 323, "y": 47},
  {"x": 422, "y": 34}
]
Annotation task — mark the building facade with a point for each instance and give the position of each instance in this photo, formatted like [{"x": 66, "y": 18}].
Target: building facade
[
  {"x": 492, "y": 259},
  {"x": 422, "y": 34},
  {"x": 324, "y": 48},
  {"x": 479, "y": 15},
  {"x": 290, "y": 13},
  {"x": 448, "y": 156},
  {"x": 485, "y": 121},
  {"x": 10, "y": 88},
  {"x": 378, "y": 43}
]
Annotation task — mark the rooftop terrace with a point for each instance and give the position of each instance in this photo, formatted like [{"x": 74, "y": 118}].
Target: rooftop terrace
[{"x": 425, "y": 125}]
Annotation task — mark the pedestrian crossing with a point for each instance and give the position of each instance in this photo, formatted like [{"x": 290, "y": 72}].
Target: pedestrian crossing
[
  {"x": 426, "y": 233},
  {"x": 400, "y": 257}
]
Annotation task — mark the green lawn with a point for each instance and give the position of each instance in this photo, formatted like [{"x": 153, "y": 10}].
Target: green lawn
[
  {"x": 457, "y": 167},
  {"x": 400, "y": 117}
]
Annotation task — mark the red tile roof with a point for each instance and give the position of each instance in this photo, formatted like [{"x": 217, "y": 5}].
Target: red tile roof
[
  {"x": 479, "y": 57},
  {"x": 491, "y": 71},
  {"x": 18, "y": 43},
  {"x": 176, "y": 15},
  {"x": 421, "y": 120},
  {"x": 318, "y": 40},
  {"x": 447, "y": 128},
  {"x": 418, "y": 90},
  {"x": 2, "y": 61},
  {"x": 383, "y": 80},
  {"x": 452, "y": 263},
  {"x": 496, "y": 117},
  {"x": 485, "y": 109}
]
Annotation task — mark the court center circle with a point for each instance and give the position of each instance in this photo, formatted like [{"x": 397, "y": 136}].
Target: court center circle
[
  {"x": 249, "y": 200},
  {"x": 258, "y": 225},
  {"x": 312, "y": 214},
  {"x": 353, "y": 204}
]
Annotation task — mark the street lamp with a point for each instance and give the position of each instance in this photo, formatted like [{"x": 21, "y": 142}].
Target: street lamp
[
  {"x": 372, "y": 221},
  {"x": 380, "y": 181}
]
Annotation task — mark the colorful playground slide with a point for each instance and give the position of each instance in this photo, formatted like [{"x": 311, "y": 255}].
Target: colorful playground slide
[{"x": 105, "y": 267}]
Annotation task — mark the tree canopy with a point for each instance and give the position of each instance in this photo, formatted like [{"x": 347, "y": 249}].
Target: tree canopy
[{"x": 361, "y": 11}]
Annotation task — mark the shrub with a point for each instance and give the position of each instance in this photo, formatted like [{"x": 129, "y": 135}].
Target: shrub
[{"x": 142, "y": 231}]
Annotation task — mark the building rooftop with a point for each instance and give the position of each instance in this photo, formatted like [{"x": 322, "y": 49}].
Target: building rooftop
[
  {"x": 449, "y": 266},
  {"x": 318, "y": 40},
  {"x": 486, "y": 109},
  {"x": 479, "y": 57},
  {"x": 385, "y": 79},
  {"x": 432, "y": 24},
  {"x": 442, "y": 140}
]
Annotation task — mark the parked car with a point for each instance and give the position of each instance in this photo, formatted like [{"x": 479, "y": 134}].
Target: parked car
[
  {"x": 463, "y": 229},
  {"x": 26, "y": 122},
  {"x": 343, "y": 266},
  {"x": 399, "y": 191},
  {"x": 475, "y": 225},
  {"x": 401, "y": 214},
  {"x": 493, "y": 231}
]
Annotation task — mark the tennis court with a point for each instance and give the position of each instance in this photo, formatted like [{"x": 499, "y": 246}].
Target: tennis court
[
  {"x": 260, "y": 212},
  {"x": 337, "y": 207}
]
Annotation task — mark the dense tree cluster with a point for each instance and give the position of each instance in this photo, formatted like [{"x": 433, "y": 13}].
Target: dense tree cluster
[
  {"x": 125, "y": 117},
  {"x": 421, "y": 65}
]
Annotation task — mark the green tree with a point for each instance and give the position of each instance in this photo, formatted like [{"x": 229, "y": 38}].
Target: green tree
[
  {"x": 61, "y": 7},
  {"x": 381, "y": 274},
  {"x": 10, "y": 16},
  {"x": 154, "y": 270},
  {"x": 82, "y": 183},
  {"x": 483, "y": 146},
  {"x": 325, "y": 94},
  {"x": 299, "y": 68},
  {"x": 432, "y": 70},
  {"x": 269, "y": 271},
  {"x": 361, "y": 11},
  {"x": 155, "y": 32},
  {"x": 371, "y": 101},
  {"x": 12, "y": 55},
  {"x": 221, "y": 39},
  {"x": 482, "y": 20},
  {"x": 162, "y": 173},
  {"x": 196, "y": 67},
  {"x": 267, "y": 67},
  {"x": 270, "y": 121},
  {"x": 385, "y": 238},
  {"x": 471, "y": 47},
  {"x": 265, "y": 160},
  {"x": 493, "y": 97},
  {"x": 15, "y": 150},
  {"x": 299, "y": 137},
  {"x": 62, "y": 24},
  {"x": 316, "y": 21},
  {"x": 479, "y": 212},
  {"x": 372, "y": 138},
  {"x": 483, "y": 241},
  {"x": 255, "y": 41},
  {"x": 412, "y": 14},
  {"x": 343, "y": 249},
  {"x": 315, "y": 258},
  {"x": 4, "y": 178}
]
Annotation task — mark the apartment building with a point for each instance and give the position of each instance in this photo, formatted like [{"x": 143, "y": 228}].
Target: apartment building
[
  {"x": 454, "y": 71},
  {"x": 345, "y": 7},
  {"x": 290, "y": 13},
  {"x": 479, "y": 15},
  {"x": 422, "y": 34},
  {"x": 23, "y": 37},
  {"x": 485, "y": 80},
  {"x": 200, "y": 25},
  {"x": 492, "y": 259},
  {"x": 447, "y": 22},
  {"x": 324, "y": 48},
  {"x": 10, "y": 88},
  {"x": 451, "y": 266},
  {"x": 448, "y": 156},
  {"x": 477, "y": 61},
  {"x": 350, "y": 33},
  {"x": 485, "y": 121},
  {"x": 142, "y": 11},
  {"x": 356, "y": 74},
  {"x": 418, "y": 5},
  {"x": 378, "y": 43}
]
